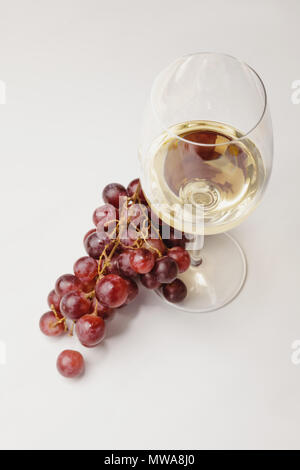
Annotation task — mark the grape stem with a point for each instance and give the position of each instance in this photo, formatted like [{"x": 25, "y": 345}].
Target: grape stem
[
  {"x": 95, "y": 312},
  {"x": 59, "y": 320},
  {"x": 71, "y": 332}
]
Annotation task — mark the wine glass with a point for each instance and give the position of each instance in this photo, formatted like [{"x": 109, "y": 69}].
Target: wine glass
[{"x": 206, "y": 152}]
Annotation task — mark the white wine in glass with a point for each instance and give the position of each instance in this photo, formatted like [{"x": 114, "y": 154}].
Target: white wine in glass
[{"x": 206, "y": 154}]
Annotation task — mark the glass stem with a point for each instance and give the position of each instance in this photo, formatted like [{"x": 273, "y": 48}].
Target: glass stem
[{"x": 194, "y": 248}]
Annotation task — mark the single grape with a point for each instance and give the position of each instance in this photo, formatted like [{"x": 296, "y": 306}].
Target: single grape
[
  {"x": 112, "y": 267},
  {"x": 89, "y": 286},
  {"x": 101, "y": 310},
  {"x": 105, "y": 214},
  {"x": 112, "y": 290},
  {"x": 127, "y": 238},
  {"x": 94, "y": 245},
  {"x": 90, "y": 330},
  {"x": 155, "y": 245},
  {"x": 142, "y": 260},
  {"x": 181, "y": 257},
  {"x": 124, "y": 264},
  {"x": 132, "y": 188},
  {"x": 54, "y": 299},
  {"x": 74, "y": 305},
  {"x": 67, "y": 283},
  {"x": 172, "y": 237},
  {"x": 86, "y": 268},
  {"x": 112, "y": 192},
  {"x": 93, "y": 230},
  {"x": 165, "y": 270},
  {"x": 133, "y": 290},
  {"x": 150, "y": 281},
  {"x": 175, "y": 292},
  {"x": 70, "y": 363},
  {"x": 49, "y": 325}
]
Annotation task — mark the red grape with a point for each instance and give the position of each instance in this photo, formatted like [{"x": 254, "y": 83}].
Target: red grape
[
  {"x": 142, "y": 260},
  {"x": 176, "y": 291},
  {"x": 133, "y": 290},
  {"x": 112, "y": 267},
  {"x": 132, "y": 188},
  {"x": 173, "y": 238},
  {"x": 93, "y": 230},
  {"x": 90, "y": 330},
  {"x": 124, "y": 264},
  {"x": 181, "y": 257},
  {"x": 74, "y": 305},
  {"x": 94, "y": 245},
  {"x": 86, "y": 268},
  {"x": 54, "y": 299},
  {"x": 127, "y": 239},
  {"x": 104, "y": 214},
  {"x": 49, "y": 326},
  {"x": 89, "y": 286},
  {"x": 112, "y": 290},
  {"x": 155, "y": 245},
  {"x": 112, "y": 192},
  {"x": 67, "y": 283},
  {"x": 70, "y": 363},
  {"x": 165, "y": 270},
  {"x": 102, "y": 310},
  {"x": 150, "y": 281}
]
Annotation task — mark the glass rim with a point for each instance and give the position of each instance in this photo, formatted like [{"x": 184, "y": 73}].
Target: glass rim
[{"x": 233, "y": 141}]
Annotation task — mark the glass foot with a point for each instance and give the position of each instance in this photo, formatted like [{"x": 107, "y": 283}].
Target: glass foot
[{"x": 218, "y": 279}]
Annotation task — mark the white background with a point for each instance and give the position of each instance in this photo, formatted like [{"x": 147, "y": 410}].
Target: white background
[{"x": 78, "y": 74}]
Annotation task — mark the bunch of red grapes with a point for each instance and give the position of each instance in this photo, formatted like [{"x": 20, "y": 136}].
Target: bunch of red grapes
[{"x": 126, "y": 247}]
